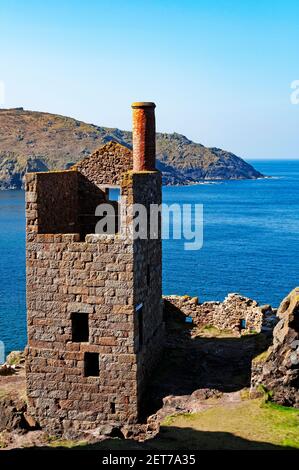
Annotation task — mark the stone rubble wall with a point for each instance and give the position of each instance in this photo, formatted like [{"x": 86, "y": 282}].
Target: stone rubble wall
[{"x": 225, "y": 315}]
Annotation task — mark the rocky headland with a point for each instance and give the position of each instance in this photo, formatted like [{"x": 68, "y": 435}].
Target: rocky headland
[{"x": 36, "y": 141}]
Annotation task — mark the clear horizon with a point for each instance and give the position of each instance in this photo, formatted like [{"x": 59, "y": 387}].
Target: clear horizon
[{"x": 220, "y": 74}]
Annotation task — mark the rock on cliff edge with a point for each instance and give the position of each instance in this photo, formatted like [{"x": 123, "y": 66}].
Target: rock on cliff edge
[{"x": 278, "y": 370}]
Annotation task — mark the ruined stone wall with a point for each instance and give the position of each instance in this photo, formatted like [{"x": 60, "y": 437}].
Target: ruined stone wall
[
  {"x": 54, "y": 197},
  {"x": 64, "y": 202},
  {"x": 107, "y": 164},
  {"x": 52, "y": 200},
  {"x": 89, "y": 195},
  {"x": 222, "y": 315},
  {"x": 89, "y": 198}
]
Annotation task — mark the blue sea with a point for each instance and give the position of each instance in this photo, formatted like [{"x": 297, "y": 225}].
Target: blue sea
[{"x": 251, "y": 232}]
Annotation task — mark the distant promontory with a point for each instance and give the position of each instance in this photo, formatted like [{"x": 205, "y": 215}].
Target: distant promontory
[{"x": 37, "y": 141}]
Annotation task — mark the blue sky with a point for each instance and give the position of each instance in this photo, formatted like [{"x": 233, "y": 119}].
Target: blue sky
[{"x": 220, "y": 72}]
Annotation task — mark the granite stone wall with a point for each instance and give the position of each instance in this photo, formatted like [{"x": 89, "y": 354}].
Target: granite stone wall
[
  {"x": 93, "y": 278},
  {"x": 106, "y": 165},
  {"x": 52, "y": 201}
]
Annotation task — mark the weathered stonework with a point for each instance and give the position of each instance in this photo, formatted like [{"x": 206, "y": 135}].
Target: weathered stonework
[
  {"x": 277, "y": 370},
  {"x": 107, "y": 164},
  {"x": 111, "y": 283},
  {"x": 236, "y": 313}
]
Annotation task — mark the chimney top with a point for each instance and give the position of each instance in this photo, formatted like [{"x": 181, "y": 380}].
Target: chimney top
[{"x": 143, "y": 104}]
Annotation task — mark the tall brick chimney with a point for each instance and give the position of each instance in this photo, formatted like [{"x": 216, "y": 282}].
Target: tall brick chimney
[{"x": 144, "y": 136}]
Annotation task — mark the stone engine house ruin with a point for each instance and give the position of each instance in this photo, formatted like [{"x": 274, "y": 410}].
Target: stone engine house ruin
[{"x": 95, "y": 321}]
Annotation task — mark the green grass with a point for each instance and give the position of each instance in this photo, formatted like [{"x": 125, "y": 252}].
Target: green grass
[
  {"x": 3, "y": 394},
  {"x": 245, "y": 394},
  {"x": 3, "y": 440},
  {"x": 261, "y": 357},
  {"x": 15, "y": 358},
  {"x": 214, "y": 332},
  {"x": 250, "y": 424},
  {"x": 65, "y": 443},
  {"x": 266, "y": 394},
  {"x": 249, "y": 333}
]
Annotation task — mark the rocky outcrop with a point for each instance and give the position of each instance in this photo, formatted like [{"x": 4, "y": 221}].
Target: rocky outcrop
[
  {"x": 35, "y": 141},
  {"x": 13, "y": 406},
  {"x": 14, "y": 361},
  {"x": 12, "y": 409},
  {"x": 277, "y": 371}
]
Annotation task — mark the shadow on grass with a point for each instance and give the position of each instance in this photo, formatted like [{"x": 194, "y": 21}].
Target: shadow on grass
[{"x": 175, "y": 438}]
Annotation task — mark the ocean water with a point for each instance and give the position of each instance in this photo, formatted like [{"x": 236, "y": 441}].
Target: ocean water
[
  {"x": 12, "y": 270},
  {"x": 250, "y": 245}
]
